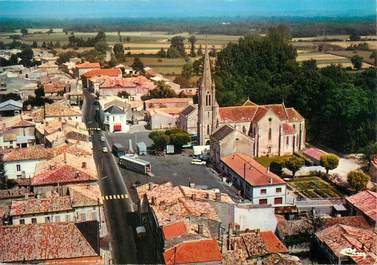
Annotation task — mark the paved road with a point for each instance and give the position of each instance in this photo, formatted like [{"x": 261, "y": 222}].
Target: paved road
[{"x": 111, "y": 183}]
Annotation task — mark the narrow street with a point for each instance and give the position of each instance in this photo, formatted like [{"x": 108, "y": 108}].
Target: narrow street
[{"x": 118, "y": 207}]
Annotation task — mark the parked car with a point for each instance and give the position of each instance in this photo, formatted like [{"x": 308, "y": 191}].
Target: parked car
[
  {"x": 105, "y": 150},
  {"x": 198, "y": 162}
]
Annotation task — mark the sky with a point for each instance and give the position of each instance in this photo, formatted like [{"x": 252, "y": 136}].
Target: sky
[{"x": 70, "y": 9}]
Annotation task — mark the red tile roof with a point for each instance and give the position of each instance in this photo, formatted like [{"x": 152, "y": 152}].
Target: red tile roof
[
  {"x": 54, "y": 87},
  {"x": 357, "y": 221},
  {"x": 193, "y": 252},
  {"x": 102, "y": 72},
  {"x": 40, "y": 206},
  {"x": 62, "y": 174},
  {"x": 272, "y": 243},
  {"x": 294, "y": 116},
  {"x": 366, "y": 202},
  {"x": 256, "y": 174},
  {"x": 30, "y": 153},
  {"x": 88, "y": 65},
  {"x": 237, "y": 114},
  {"x": 42, "y": 242},
  {"x": 339, "y": 237},
  {"x": 314, "y": 153},
  {"x": 128, "y": 82},
  {"x": 168, "y": 100},
  {"x": 175, "y": 230},
  {"x": 288, "y": 129}
]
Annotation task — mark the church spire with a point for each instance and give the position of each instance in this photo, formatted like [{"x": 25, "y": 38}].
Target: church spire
[{"x": 206, "y": 78}]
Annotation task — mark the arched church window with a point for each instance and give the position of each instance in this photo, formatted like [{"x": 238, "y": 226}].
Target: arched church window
[
  {"x": 269, "y": 134},
  {"x": 208, "y": 129}
]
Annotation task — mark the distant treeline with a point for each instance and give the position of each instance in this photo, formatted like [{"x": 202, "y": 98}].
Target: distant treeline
[{"x": 300, "y": 27}]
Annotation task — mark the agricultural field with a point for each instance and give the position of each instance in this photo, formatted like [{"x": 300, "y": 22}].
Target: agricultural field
[
  {"x": 348, "y": 54},
  {"x": 332, "y": 57},
  {"x": 314, "y": 188}
]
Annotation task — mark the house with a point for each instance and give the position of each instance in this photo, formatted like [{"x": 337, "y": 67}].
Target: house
[
  {"x": 250, "y": 246},
  {"x": 10, "y": 107},
  {"x": 55, "y": 88},
  {"x": 335, "y": 240},
  {"x": 157, "y": 103},
  {"x": 314, "y": 155},
  {"x": 113, "y": 72},
  {"x": 61, "y": 175},
  {"x": 226, "y": 141},
  {"x": 254, "y": 181},
  {"x": 58, "y": 110},
  {"x": 136, "y": 86},
  {"x": 79, "y": 203},
  {"x": 187, "y": 119},
  {"x": 67, "y": 243},
  {"x": 16, "y": 132},
  {"x": 194, "y": 252},
  {"x": 86, "y": 67},
  {"x": 21, "y": 163},
  {"x": 117, "y": 114},
  {"x": 363, "y": 203},
  {"x": 164, "y": 118},
  {"x": 49, "y": 67}
]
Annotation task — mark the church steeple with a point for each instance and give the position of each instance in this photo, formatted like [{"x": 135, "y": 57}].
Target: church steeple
[
  {"x": 206, "y": 78},
  {"x": 207, "y": 104}
]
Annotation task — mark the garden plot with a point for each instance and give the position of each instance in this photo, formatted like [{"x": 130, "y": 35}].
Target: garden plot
[{"x": 314, "y": 188}]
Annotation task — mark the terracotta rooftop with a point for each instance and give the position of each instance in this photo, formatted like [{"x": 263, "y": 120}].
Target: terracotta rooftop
[
  {"x": 293, "y": 227},
  {"x": 222, "y": 132},
  {"x": 61, "y": 174},
  {"x": 339, "y": 237},
  {"x": 128, "y": 82},
  {"x": 252, "y": 112},
  {"x": 54, "y": 87},
  {"x": 102, "y": 72},
  {"x": 166, "y": 111},
  {"x": 174, "y": 230},
  {"x": 85, "y": 195},
  {"x": 365, "y": 202},
  {"x": 314, "y": 153},
  {"x": 40, "y": 206},
  {"x": 30, "y": 153},
  {"x": 168, "y": 100},
  {"x": 14, "y": 193},
  {"x": 200, "y": 251},
  {"x": 252, "y": 244},
  {"x": 61, "y": 109},
  {"x": 288, "y": 129},
  {"x": 357, "y": 221},
  {"x": 43, "y": 242},
  {"x": 176, "y": 203},
  {"x": 88, "y": 65},
  {"x": 256, "y": 174}
]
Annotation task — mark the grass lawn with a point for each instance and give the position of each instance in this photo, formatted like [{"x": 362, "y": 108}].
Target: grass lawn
[{"x": 314, "y": 188}]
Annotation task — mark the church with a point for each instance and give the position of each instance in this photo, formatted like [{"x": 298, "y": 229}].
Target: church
[{"x": 274, "y": 129}]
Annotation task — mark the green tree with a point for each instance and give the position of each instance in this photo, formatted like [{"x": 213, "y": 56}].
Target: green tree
[
  {"x": 178, "y": 138},
  {"x": 187, "y": 70},
  {"x": 276, "y": 166},
  {"x": 44, "y": 45},
  {"x": 101, "y": 47},
  {"x": 357, "y": 180},
  {"x": 373, "y": 55},
  {"x": 123, "y": 94},
  {"x": 357, "y": 62},
  {"x": 173, "y": 53},
  {"x": 200, "y": 51},
  {"x": 57, "y": 44},
  {"x": 13, "y": 60},
  {"x": 26, "y": 56},
  {"x": 128, "y": 39},
  {"x": 35, "y": 44},
  {"x": 118, "y": 51},
  {"x": 162, "y": 53},
  {"x": 370, "y": 152},
  {"x": 24, "y": 31},
  {"x": 160, "y": 140},
  {"x": 162, "y": 91},
  {"x": 355, "y": 37},
  {"x": 138, "y": 65},
  {"x": 294, "y": 163},
  {"x": 329, "y": 162},
  {"x": 192, "y": 39},
  {"x": 177, "y": 42}
]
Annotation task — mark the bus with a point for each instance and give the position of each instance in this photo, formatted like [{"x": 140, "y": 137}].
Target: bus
[{"x": 135, "y": 164}]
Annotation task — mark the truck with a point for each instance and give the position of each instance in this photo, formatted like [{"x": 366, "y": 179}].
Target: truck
[
  {"x": 141, "y": 148},
  {"x": 135, "y": 164},
  {"x": 118, "y": 149}
]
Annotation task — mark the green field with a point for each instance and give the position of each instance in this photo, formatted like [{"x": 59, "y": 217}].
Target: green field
[{"x": 314, "y": 188}]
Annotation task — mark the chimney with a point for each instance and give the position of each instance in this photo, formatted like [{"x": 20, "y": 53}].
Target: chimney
[
  {"x": 83, "y": 164},
  {"x": 193, "y": 196},
  {"x": 149, "y": 186},
  {"x": 218, "y": 196},
  {"x": 237, "y": 229},
  {"x": 200, "y": 229}
]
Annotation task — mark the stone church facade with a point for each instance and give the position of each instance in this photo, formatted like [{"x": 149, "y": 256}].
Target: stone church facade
[{"x": 274, "y": 128}]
